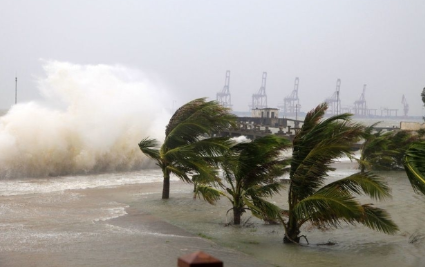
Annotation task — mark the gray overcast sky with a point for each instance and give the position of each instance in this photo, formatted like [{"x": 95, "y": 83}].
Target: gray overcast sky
[{"x": 189, "y": 44}]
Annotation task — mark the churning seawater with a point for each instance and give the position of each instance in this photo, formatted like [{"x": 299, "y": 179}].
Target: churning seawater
[
  {"x": 66, "y": 216},
  {"x": 72, "y": 178},
  {"x": 346, "y": 246}
]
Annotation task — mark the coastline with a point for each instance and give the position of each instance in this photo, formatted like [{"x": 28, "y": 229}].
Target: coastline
[{"x": 136, "y": 238}]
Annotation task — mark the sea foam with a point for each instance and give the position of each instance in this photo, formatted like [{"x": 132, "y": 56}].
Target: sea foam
[{"x": 90, "y": 120}]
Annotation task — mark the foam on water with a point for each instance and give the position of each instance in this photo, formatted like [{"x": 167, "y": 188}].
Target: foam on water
[
  {"x": 90, "y": 120},
  {"x": 47, "y": 185}
]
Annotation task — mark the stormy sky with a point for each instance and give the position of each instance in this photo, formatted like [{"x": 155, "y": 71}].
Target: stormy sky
[{"x": 189, "y": 44}]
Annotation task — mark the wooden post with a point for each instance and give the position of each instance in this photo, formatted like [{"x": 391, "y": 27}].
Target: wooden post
[{"x": 200, "y": 259}]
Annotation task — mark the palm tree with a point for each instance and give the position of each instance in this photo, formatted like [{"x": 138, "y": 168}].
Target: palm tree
[
  {"x": 315, "y": 147},
  {"x": 374, "y": 150},
  {"x": 249, "y": 172},
  {"x": 189, "y": 147},
  {"x": 414, "y": 164},
  {"x": 400, "y": 141}
]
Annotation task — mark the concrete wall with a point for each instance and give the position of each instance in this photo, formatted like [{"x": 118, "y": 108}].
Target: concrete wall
[{"x": 411, "y": 126}]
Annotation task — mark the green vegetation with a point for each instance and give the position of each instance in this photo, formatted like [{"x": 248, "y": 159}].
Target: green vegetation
[
  {"x": 189, "y": 148},
  {"x": 315, "y": 147},
  {"x": 374, "y": 150},
  {"x": 414, "y": 164},
  {"x": 384, "y": 150},
  {"x": 414, "y": 160},
  {"x": 249, "y": 169},
  {"x": 249, "y": 172}
]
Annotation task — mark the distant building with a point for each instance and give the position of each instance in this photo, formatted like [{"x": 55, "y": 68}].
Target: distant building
[{"x": 269, "y": 113}]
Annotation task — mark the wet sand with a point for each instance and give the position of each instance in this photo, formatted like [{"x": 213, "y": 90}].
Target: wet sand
[{"x": 64, "y": 232}]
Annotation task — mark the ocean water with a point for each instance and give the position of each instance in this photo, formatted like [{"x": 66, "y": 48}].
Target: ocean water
[{"x": 64, "y": 216}]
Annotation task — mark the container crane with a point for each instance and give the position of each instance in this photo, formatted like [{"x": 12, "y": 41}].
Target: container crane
[
  {"x": 259, "y": 100},
  {"x": 334, "y": 102},
  {"x": 224, "y": 98},
  {"x": 291, "y": 103},
  {"x": 405, "y": 106},
  {"x": 360, "y": 107}
]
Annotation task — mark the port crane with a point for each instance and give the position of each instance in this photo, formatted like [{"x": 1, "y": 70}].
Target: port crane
[
  {"x": 405, "y": 106},
  {"x": 224, "y": 98},
  {"x": 259, "y": 100},
  {"x": 360, "y": 107},
  {"x": 334, "y": 102},
  {"x": 291, "y": 103}
]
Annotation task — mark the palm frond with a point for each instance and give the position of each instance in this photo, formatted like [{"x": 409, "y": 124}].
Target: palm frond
[
  {"x": 361, "y": 183},
  {"x": 316, "y": 147},
  {"x": 183, "y": 113},
  {"x": 262, "y": 209},
  {"x": 266, "y": 190},
  {"x": 260, "y": 160},
  {"x": 414, "y": 165},
  {"x": 195, "y": 119},
  {"x": 327, "y": 207},
  {"x": 208, "y": 193},
  {"x": 377, "y": 219},
  {"x": 312, "y": 170},
  {"x": 180, "y": 171},
  {"x": 210, "y": 149},
  {"x": 150, "y": 148}
]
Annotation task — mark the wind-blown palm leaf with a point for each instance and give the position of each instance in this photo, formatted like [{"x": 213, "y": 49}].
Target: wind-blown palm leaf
[
  {"x": 314, "y": 168},
  {"x": 414, "y": 164},
  {"x": 318, "y": 144},
  {"x": 210, "y": 149},
  {"x": 189, "y": 150},
  {"x": 400, "y": 142},
  {"x": 267, "y": 190},
  {"x": 327, "y": 208},
  {"x": 263, "y": 209},
  {"x": 149, "y": 148},
  {"x": 248, "y": 173},
  {"x": 208, "y": 193},
  {"x": 361, "y": 183},
  {"x": 377, "y": 219},
  {"x": 376, "y": 151},
  {"x": 195, "y": 119},
  {"x": 260, "y": 159},
  {"x": 180, "y": 171}
]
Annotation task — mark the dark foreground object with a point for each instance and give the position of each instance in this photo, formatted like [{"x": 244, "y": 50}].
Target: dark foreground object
[{"x": 198, "y": 258}]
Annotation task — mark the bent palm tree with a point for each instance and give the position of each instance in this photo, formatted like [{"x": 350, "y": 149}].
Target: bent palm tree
[
  {"x": 249, "y": 170},
  {"x": 189, "y": 148},
  {"x": 315, "y": 147},
  {"x": 414, "y": 164}
]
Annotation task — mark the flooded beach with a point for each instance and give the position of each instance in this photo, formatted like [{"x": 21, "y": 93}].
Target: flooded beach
[{"x": 119, "y": 219}]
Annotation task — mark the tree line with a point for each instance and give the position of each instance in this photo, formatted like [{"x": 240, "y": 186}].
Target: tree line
[{"x": 246, "y": 172}]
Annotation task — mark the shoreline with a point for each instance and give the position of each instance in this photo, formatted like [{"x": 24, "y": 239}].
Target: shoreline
[{"x": 138, "y": 238}]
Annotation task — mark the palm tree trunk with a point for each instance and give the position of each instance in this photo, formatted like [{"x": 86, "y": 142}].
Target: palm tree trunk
[
  {"x": 293, "y": 229},
  {"x": 237, "y": 214},
  {"x": 166, "y": 185},
  {"x": 291, "y": 235}
]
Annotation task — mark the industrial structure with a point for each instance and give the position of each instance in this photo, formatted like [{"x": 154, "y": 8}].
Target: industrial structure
[
  {"x": 334, "y": 103},
  {"x": 405, "y": 106},
  {"x": 291, "y": 104},
  {"x": 259, "y": 100},
  {"x": 360, "y": 107},
  {"x": 224, "y": 98}
]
